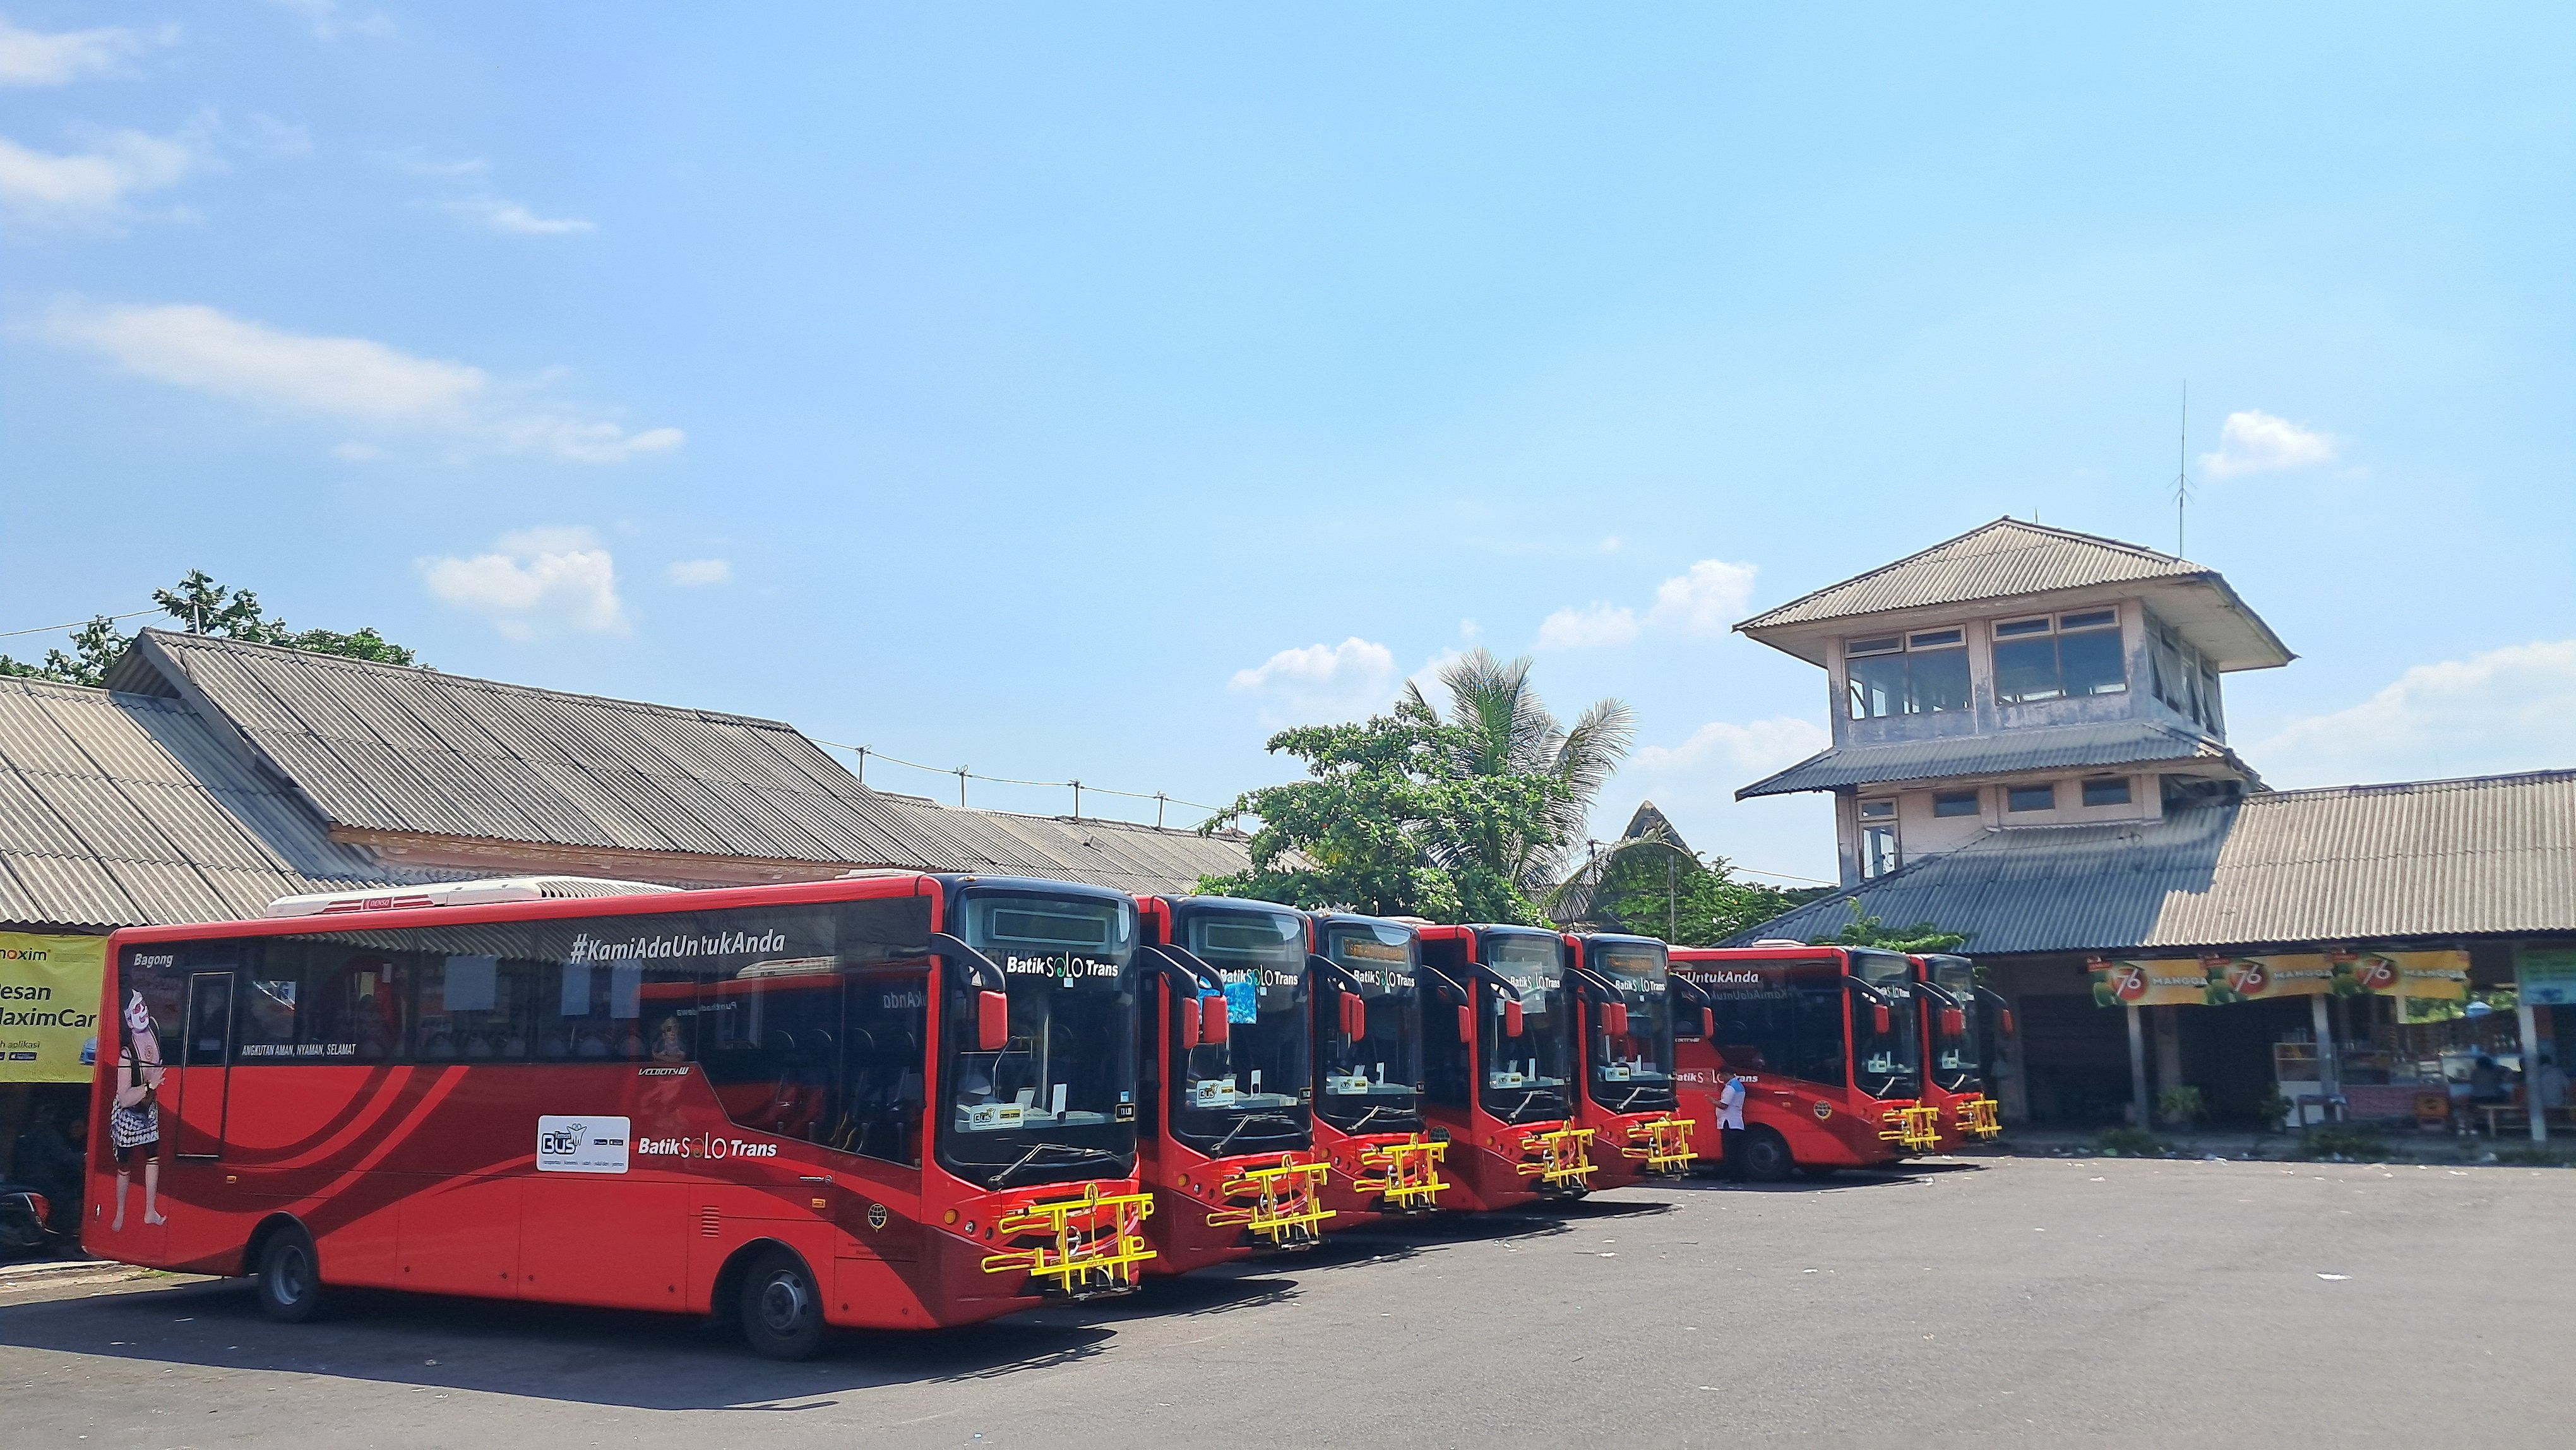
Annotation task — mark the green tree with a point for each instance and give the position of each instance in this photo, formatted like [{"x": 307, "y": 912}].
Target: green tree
[
  {"x": 1413, "y": 815},
  {"x": 1864, "y": 930},
  {"x": 1502, "y": 729},
  {"x": 1654, "y": 886},
  {"x": 201, "y": 606}
]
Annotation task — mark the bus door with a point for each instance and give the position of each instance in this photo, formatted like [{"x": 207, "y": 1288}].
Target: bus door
[
  {"x": 884, "y": 1080},
  {"x": 198, "y": 1092}
]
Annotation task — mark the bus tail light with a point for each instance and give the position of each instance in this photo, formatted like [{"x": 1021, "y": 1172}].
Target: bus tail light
[
  {"x": 1511, "y": 1019},
  {"x": 992, "y": 1022},
  {"x": 1213, "y": 1028}
]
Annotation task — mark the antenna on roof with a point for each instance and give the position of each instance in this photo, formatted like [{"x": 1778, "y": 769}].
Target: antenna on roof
[{"x": 2182, "y": 475}]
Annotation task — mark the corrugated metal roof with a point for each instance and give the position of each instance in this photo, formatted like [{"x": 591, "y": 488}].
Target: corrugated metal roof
[
  {"x": 2005, "y": 558},
  {"x": 383, "y": 748},
  {"x": 2490, "y": 855},
  {"x": 119, "y": 810},
  {"x": 2060, "y": 747}
]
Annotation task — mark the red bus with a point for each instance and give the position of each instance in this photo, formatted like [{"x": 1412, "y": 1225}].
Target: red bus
[
  {"x": 1618, "y": 1014},
  {"x": 893, "y": 1100},
  {"x": 1495, "y": 1085},
  {"x": 1228, "y": 1146},
  {"x": 1367, "y": 1029},
  {"x": 1829, "y": 1039},
  {"x": 1958, "y": 1019}
]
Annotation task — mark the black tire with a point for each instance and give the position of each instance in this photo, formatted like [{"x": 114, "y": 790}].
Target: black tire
[
  {"x": 290, "y": 1277},
  {"x": 1766, "y": 1156},
  {"x": 780, "y": 1307},
  {"x": 1819, "y": 1171}
]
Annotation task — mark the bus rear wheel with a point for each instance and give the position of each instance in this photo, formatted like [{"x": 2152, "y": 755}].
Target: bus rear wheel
[
  {"x": 781, "y": 1310},
  {"x": 1766, "y": 1156},
  {"x": 290, "y": 1280}
]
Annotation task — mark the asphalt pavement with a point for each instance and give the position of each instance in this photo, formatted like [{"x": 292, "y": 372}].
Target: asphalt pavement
[{"x": 2023, "y": 1300}]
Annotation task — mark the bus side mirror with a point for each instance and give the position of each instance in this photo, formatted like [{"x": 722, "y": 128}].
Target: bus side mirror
[
  {"x": 1708, "y": 1023},
  {"x": 1511, "y": 1019},
  {"x": 2008, "y": 1027},
  {"x": 1879, "y": 1020},
  {"x": 1213, "y": 1027},
  {"x": 992, "y": 1022},
  {"x": 1190, "y": 1016},
  {"x": 1953, "y": 1021},
  {"x": 1466, "y": 1024},
  {"x": 1614, "y": 1018},
  {"x": 1354, "y": 1016}
]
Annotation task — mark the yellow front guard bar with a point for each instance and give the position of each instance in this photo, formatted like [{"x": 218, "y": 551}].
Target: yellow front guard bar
[
  {"x": 1558, "y": 1158},
  {"x": 1918, "y": 1129},
  {"x": 1287, "y": 1207},
  {"x": 1664, "y": 1144},
  {"x": 1979, "y": 1118},
  {"x": 1094, "y": 1244},
  {"x": 1409, "y": 1172}
]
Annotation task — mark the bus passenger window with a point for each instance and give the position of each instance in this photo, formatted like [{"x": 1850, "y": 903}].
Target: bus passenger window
[
  {"x": 882, "y": 1055},
  {"x": 474, "y": 1008}
]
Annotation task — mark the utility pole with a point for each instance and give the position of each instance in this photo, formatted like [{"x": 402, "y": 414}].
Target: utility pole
[
  {"x": 1077, "y": 800},
  {"x": 863, "y": 765},
  {"x": 961, "y": 787},
  {"x": 1672, "y": 896},
  {"x": 1158, "y": 810}
]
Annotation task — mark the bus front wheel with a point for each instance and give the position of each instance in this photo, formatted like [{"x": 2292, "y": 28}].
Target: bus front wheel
[
  {"x": 781, "y": 1310},
  {"x": 1766, "y": 1156},
  {"x": 290, "y": 1281}
]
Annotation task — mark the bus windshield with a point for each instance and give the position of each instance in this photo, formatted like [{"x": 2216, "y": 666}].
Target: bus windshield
[
  {"x": 1249, "y": 1093},
  {"x": 1372, "y": 1083},
  {"x": 1956, "y": 1056},
  {"x": 1058, "y": 1101},
  {"x": 1632, "y": 1071},
  {"x": 1885, "y": 1064},
  {"x": 1524, "y": 1075}
]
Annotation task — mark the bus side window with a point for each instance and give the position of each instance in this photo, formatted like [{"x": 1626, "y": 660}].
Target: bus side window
[
  {"x": 883, "y": 1054},
  {"x": 1444, "y": 1057},
  {"x": 1818, "y": 1040},
  {"x": 325, "y": 1000}
]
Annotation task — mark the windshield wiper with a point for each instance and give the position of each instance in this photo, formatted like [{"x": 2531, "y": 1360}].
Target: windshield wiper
[
  {"x": 1031, "y": 1156},
  {"x": 1367, "y": 1117},
  {"x": 1248, "y": 1120}
]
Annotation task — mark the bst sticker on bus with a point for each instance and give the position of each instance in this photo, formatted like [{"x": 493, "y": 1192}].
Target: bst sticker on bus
[{"x": 586, "y": 1144}]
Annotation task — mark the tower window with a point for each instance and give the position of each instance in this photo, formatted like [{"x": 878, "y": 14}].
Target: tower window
[{"x": 2107, "y": 790}]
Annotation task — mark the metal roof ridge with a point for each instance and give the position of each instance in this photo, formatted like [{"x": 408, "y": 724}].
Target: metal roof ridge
[
  {"x": 167, "y": 638},
  {"x": 2448, "y": 782},
  {"x": 2007, "y": 520}
]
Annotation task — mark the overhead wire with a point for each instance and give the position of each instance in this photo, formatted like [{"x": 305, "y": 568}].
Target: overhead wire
[{"x": 75, "y": 624}]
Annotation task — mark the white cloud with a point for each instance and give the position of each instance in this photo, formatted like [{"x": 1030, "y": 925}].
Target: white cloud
[
  {"x": 694, "y": 573},
  {"x": 349, "y": 379},
  {"x": 1702, "y": 601},
  {"x": 36, "y": 58},
  {"x": 1589, "y": 627},
  {"x": 2257, "y": 442},
  {"x": 512, "y": 219},
  {"x": 1321, "y": 681},
  {"x": 2504, "y": 710},
  {"x": 534, "y": 582},
  {"x": 1750, "y": 751},
  {"x": 93, "y": 184}
]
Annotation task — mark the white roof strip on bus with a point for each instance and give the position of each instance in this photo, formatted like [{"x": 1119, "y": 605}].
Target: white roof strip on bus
[{"x": 460, "y": 893}]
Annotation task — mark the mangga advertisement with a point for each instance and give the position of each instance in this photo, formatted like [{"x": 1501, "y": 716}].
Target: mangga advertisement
[
  {"x": 2218, "y": 981},
  {"x": 49, "y": 1006}
]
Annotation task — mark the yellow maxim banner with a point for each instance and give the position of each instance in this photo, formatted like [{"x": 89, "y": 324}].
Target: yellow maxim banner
[
  {"x": 48, "y": 1005},
  {"x": 2218, "y": 981}
]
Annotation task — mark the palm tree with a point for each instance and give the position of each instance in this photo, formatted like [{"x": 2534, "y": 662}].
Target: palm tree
[{"x": 1510, "y": 732}]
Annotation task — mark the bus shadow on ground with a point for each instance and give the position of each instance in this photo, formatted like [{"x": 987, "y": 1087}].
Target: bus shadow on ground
[
  {"x": 549, "y": 1351},
  {"x": 1910, "y": 1175}
]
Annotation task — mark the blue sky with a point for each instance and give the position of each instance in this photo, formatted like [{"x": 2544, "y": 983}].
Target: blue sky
[{"x": 1084, "y": 391}]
